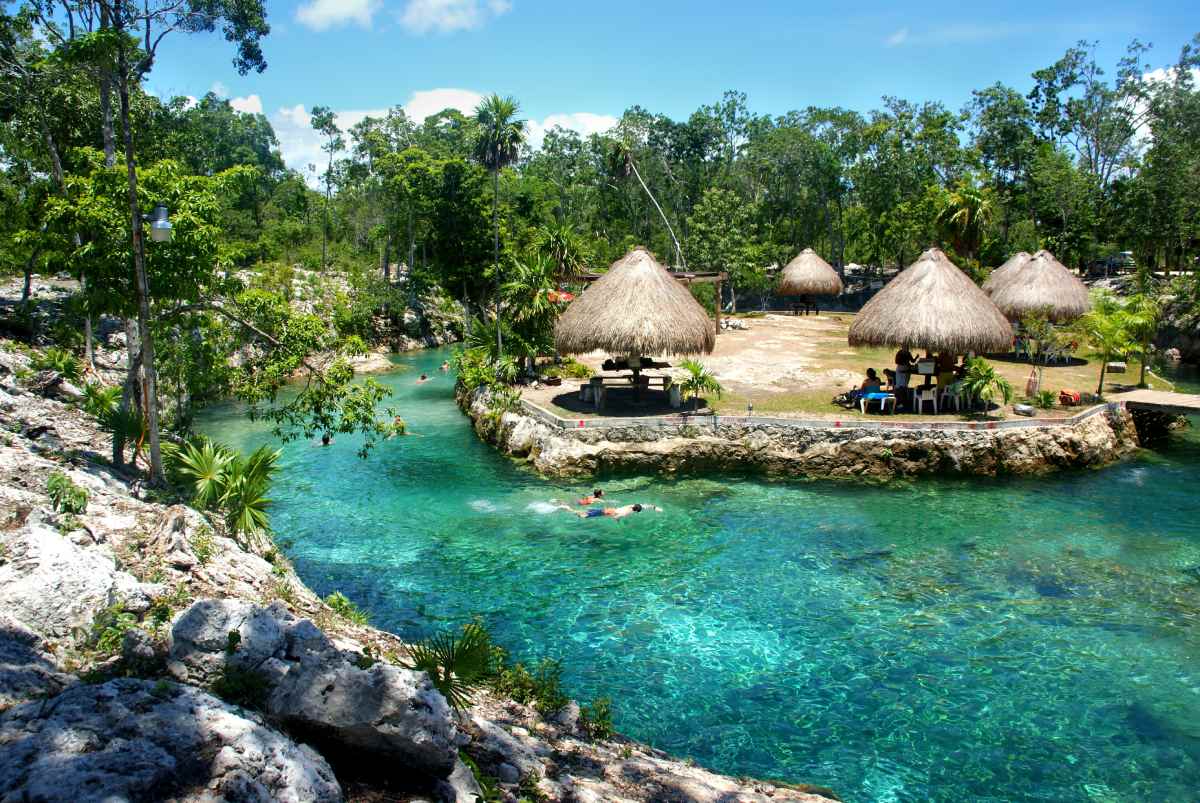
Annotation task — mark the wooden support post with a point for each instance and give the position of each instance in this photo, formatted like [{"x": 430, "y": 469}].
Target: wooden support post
[{"x": 718, "y": 306}]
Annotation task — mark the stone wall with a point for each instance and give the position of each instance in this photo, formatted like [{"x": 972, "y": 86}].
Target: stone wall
[{"x": 782, "y": 448}]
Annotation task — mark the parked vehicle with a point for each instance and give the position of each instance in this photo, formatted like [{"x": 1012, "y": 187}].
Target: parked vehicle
[{"x": 1122, "y": 262}]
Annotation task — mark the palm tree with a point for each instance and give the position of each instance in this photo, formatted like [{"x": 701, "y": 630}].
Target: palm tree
[
  {"x": 500, "y": 138},
  {"x": 700, "y": 380},
  {"x": 622, "y": 164},
  {"x": 983, "y": 382},
  {"x": 1142, "y": 312},
  {"x": 1106, "y": 327},
  {"x": 560, "y": 242},
  {"x": 527, "y": 293},
  {"x": 965, "y": 218}
]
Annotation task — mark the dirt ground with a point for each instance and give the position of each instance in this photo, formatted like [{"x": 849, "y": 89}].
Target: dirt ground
[{"x": 794, "y": 365}]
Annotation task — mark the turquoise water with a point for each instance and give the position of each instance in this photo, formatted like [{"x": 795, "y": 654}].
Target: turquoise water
[{"x": 1021, "y": 640}]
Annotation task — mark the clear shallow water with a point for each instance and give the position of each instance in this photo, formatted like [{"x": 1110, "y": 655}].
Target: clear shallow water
[{"x": 1022, "y": 640}]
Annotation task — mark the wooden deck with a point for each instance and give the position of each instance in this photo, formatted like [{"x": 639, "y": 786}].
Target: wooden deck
[{"x": 1159, "y": 401}]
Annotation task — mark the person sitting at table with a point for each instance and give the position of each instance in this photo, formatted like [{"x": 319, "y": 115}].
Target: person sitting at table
[{"x": 947, "y": 365}]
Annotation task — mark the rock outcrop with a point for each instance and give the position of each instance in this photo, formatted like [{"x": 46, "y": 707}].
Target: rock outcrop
[
  {"x": 387, "y": 713},
  {"x": 704, "y": 445},
  {"x": 142, "y": 740}
]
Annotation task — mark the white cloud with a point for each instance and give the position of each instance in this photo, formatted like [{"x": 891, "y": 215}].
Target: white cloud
[
  {"x": 301, "y": 145},
  {"x": 586, "y": 123},
  {"x": 321, "y": 15},
  {"x": 447, "y": 16},
  {"x": 431, "y": 101},
  {"x": 897, "y": 38},
  {"x": 252, "y": 104},
  {"x": 219, "y": 89}
]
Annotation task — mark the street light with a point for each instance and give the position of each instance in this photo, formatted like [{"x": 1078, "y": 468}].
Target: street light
[{"x": 160, "y": 225}]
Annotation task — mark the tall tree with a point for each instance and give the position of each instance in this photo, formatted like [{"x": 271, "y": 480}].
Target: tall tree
[
  {"x": 325, "y": 123},
  {"x": 501, "y": 135}
]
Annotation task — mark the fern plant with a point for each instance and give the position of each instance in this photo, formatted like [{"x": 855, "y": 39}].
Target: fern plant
[
  {"x": 223, "y": 479},
  {"x": 456, "y": 664}
]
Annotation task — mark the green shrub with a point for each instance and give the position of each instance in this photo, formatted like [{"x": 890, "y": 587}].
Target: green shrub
[
  {"x": 237, "y": 685},
  {"x": 489, "y": 785},
  {"x": 529, "y": 790},
  {"x": 66, "y": 496},
  {"x": 109, "y": 628},
  {"x": 596, "y": 720},
  {"x": 541, "y": 688},
  {"x": 101, "y": 401},
  {"x": 202, "y": 544},
  {"x": 569, "y": 369},
  {"x": 1045, "y": 399},
  {"x": 223, "y": 479},
  {"x": 346, "y": 609},
  {"x": 62, "y": 362}
]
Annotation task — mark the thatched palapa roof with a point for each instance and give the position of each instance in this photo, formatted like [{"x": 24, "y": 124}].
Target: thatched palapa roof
[
  {"x": 638, "y": 309},
  {"x": 932, "y": 305},
  {"x": 1006, "y": 271},
  {"x": 809, "y": 275},
  {"x": 1042, "y": 283}
]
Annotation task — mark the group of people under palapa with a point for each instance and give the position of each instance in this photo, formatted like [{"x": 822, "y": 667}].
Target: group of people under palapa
[{"x": 943, "y": 374}]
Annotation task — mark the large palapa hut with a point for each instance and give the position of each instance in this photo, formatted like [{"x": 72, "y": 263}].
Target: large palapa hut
[
  {"x": 1006, "y": 271},
  {"x": 1042, "y": 284},
  {"x": 636, "y": 309},
  {"x": 934, "y": 306},
  {"x": 809, "y": 275}
]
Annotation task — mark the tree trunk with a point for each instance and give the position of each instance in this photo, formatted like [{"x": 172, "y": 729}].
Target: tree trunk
[
  {"x": 129, "y": 388},
  {"x": 61, "y": 180},
  {"x": 1145, "y": 352},
  {"x": 678, "y": 251},
  {"x": 412, "y": 245},
  {"x": 150, "y": 378},
  {"x": 1103, "y": 371},
  {"x": 732, "y": 299},
  {"x": 496, "y": 254},
  {"x": 325, "y": 226},
  {"x": 385, "y": 258}
]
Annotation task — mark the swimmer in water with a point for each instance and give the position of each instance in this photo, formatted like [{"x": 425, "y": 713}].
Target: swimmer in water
[
  {"x": 421, "y": 380},
  {"x": 593, "y": 499},
  {"x": 326, "y": 439},
  {"x": 445, "y": 366},
  {"x": 608, "y": 512}
]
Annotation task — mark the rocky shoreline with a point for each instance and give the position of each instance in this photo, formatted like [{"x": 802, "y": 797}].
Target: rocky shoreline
[
  {"x": 145, "y": 655},
  {"x": 700, "y": 445}
]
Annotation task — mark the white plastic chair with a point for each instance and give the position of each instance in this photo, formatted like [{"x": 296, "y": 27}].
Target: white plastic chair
[
  {"x": 953, "y": 393},
  {"x": 923, "y": 396}
]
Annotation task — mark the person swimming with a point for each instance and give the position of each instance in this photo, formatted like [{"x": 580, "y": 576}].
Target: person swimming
[
  {"x": 609, "y": 512},
  {"x": 326, "y": 439},
  {"x": 593, "y": 499},
  {"x": 445, "y": 366},
  {"x": 422, "y": 379}
]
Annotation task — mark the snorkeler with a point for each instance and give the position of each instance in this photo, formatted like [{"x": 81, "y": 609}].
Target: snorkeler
[{"x": 609, "y": 512}]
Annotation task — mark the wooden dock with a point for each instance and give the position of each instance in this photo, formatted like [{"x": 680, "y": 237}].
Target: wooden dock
[{"x": 1159, "y": 401}]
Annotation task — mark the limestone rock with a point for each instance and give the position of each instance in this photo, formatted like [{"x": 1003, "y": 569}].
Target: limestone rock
[
  {"x": 27, "y": 671},
  {"x": 55, "y": 587},
  {"x": 460, "y": 786},
  {"x": 137, "y": 740},
  {"x": 384, "y": 710}
]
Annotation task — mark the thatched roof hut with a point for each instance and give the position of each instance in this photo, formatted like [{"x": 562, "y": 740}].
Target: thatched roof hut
[
  {"x": 809, "y": 275},
  {"x": 1005, "y": 272},
  {"x": 1042, "y": 284},
  {"x": 636, "y": 309},
  {"x": 935, "y": 306}
]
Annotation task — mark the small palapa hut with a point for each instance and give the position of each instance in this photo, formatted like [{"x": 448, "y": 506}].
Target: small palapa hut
[
  {"x": 1003, "y": 273},
  {"x": 809, "y": 275},
  {"x": 636, "y": 309},
  {"x": 1042, "y": 284},
  {"x": 932, "y": 305}
]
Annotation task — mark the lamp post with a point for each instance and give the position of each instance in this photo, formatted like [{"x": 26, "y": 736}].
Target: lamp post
[
  {"x": 160, "y": 224},
  {"x": 160, "y": 232}
]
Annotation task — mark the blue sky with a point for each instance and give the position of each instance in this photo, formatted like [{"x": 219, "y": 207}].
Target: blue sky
[{"x": 581, "y": 64}]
